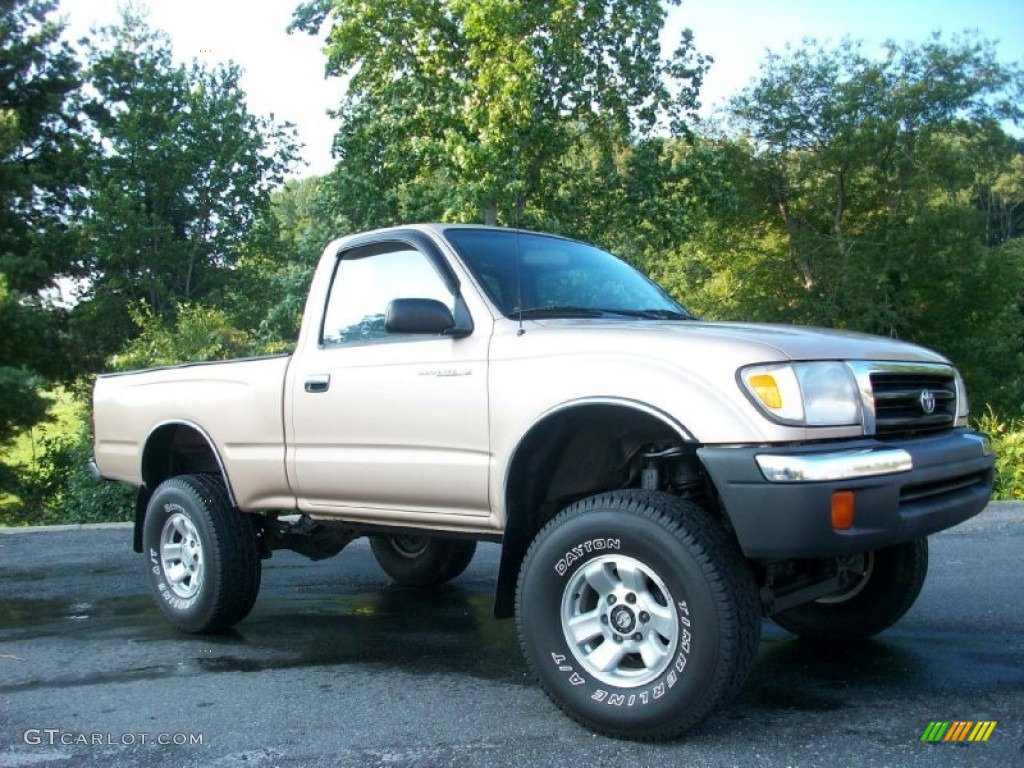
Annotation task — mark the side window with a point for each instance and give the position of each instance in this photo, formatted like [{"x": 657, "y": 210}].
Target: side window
[{"x": 364, "y": 285}]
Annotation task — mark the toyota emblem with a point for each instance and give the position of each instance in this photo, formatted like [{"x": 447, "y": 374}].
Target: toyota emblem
[{"x": 927, "y": 401}]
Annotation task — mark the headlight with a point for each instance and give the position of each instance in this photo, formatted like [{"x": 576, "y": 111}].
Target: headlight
[{"x": 810, "y": 394}]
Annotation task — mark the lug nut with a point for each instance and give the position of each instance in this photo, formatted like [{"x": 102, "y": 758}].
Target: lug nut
[
  {"x": 637, "y": 637},
  {"x": 604, "y": 619},
  {"x": 618, "y": 638},
  {"x": 611, "y": 599},
  {"x": 645, "y": 616},
  {"x": 630, "y": 598}
]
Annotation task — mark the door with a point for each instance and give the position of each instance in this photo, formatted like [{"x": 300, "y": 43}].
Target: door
[{"x": 391, "y": 426}]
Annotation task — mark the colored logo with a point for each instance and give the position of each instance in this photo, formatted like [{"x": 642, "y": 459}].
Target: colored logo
[{"x": 958, "y": 730}]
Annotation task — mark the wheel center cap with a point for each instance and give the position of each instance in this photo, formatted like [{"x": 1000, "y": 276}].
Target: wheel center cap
[{"x": 622, "y": 619}]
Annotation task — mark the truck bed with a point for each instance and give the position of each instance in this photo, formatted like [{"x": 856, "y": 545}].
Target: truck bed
[{"x": 237, "y": 404}]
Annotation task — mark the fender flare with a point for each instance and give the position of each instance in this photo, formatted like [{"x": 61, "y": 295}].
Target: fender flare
[
  {"x": 517, "y": 536},
  {"x": 145, "y": 491},
  {"x": 207, "y": 438}
]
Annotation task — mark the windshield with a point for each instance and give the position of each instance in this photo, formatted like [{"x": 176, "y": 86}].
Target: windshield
[{"x": 557, "y": 277}]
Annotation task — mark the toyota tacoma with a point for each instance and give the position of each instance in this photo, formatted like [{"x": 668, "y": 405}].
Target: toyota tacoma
[{"x": 658, "y": 483}]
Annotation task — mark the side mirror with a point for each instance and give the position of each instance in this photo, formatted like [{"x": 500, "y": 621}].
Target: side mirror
[{"x": 424, "y": 316}]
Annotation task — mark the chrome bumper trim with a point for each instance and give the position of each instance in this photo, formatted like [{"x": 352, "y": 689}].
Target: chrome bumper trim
[{"x": 821, "y": 467}]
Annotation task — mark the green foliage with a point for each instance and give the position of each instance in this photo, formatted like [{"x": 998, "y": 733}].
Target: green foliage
[
  {"x": 199, "y": 333},
  {"x": 863, "y": 162},
  {"x": 1001, "y": 198},
  {"x": 268, "y": 291},
  {"x": 875, "y": 195},
  {"x": 39, "y": 159},
  {"x": 46, "y": 479},
  {"x": 1008, "y": 444},
  {"x": 455, "y": 108},
  {"x": 39, "y": 79},
  {"x": 57, "y": 489},
  {"x": 181, "y": 172},
  {"x": 22, "y": 405},
  {"x": 28, "y": 318}
]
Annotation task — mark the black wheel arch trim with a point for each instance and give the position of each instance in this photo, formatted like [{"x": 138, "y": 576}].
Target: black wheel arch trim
[
  {"x": 146, "y": 489},
  {"x": 207, "y": 437},
  {"x": 516, "y": 538}
]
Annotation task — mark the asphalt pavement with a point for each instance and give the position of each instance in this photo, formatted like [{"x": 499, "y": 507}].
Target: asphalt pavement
[{"x": 336, "y": 667}]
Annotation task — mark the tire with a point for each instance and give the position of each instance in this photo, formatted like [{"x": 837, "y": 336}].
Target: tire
[
  {"x": 686, "y": 608},
  {"x": 422, "y": 561},
  {"x": 190, "y": 519},
  {"x": 891, "y": 581}
]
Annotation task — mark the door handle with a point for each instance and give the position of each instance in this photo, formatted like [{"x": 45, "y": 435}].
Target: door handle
[{"x": 318, "y": 383}]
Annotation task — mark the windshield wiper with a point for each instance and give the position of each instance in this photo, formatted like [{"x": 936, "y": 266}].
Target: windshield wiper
[
  {"x": 574, "y": 311},
  {"x": 653, "y": 314},
  {"x": 560, "y": 311}
]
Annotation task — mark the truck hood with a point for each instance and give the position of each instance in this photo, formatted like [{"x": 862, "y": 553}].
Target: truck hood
[{"x": 762, "y": 341}]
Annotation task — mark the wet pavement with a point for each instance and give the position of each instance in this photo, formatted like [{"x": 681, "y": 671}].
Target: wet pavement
[{"x": 335, "y": 666}]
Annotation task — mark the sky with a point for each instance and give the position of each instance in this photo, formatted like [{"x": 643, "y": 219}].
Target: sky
[{"x": 284, "y": 74}]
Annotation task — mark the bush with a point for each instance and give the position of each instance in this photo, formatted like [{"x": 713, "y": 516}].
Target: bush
[
  {"x": 1008, "y": 444},
  {"x": 199, "y": 333},
  {"x": 78, "y": 497},
  {"x": 57, "y": 488},
  {"x": 22, "y": 405},
  {"x": 49, "y": 483}
]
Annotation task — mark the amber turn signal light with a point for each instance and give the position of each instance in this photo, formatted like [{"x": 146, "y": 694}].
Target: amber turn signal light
[{"x": 842, "y": 510}]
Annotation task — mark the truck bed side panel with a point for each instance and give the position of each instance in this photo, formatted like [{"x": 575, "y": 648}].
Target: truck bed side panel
[{"x": 237, "y": 403}]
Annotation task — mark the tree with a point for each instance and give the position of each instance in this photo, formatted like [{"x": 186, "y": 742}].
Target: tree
[
  {"x": 457, "y": 108},
  {"x": 199, "y": 333},
  {"x": 1000, "y": 196},
  {"x": 271, "y": 283},
  {"x": 869, "y": 182},
  {"x": 847, "y": 145},
  {"x": 39, "y": 81},
  {"x": 180, "y": 174}
]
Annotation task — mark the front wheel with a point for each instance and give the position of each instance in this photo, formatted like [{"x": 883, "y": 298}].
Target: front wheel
[
  {"x": 887, "y": 583},
  {"x": 637, "y": 613},
  {"x": 203, "y": 560}
]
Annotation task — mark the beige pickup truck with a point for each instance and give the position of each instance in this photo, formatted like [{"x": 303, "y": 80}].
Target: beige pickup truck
[{"x": 658, "y": 483}]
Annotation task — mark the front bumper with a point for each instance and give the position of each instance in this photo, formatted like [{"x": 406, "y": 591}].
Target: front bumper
[{"x": 779, "y": 498}]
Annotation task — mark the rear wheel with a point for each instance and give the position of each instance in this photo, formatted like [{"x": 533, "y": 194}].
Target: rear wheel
[
  {"x": 887, "y": 584},
  {"x": 637, "y": 613},
  {"x": 203, "y": 560},
  {"x": 422, "y": 561}
]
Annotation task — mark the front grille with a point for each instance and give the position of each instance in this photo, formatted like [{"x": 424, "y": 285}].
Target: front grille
[{"x": 903, "y": 400}]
